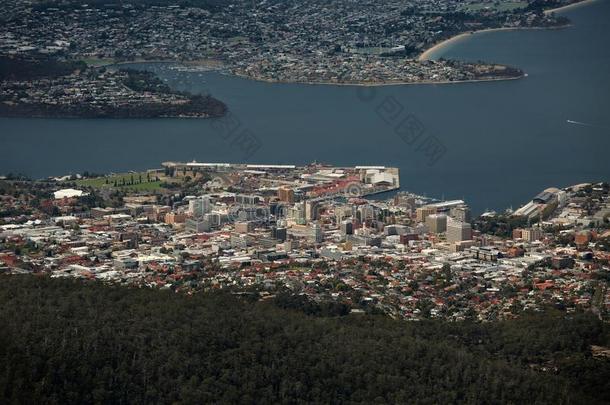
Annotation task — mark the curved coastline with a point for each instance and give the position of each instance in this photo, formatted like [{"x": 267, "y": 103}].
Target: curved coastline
[
  {"x": 441, "y": 45},
  {"x": 428, "y": 53},
  {"x": 568, "y": 7}
]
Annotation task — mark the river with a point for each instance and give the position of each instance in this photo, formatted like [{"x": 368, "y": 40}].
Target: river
[{"x": 494, "y": 144}]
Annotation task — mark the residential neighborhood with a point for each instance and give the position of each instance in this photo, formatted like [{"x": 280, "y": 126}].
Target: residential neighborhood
[{"x": 367, "y": 42}]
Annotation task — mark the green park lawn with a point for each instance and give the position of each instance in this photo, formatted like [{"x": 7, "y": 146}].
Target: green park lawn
[{"x": 124, "y": 181}]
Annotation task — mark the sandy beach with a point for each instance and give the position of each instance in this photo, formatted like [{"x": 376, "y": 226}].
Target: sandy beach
[
  {"x": 441, "y": 45},
  {"x": 569, "y": 6},
  {"x": 427, "y": 54}
]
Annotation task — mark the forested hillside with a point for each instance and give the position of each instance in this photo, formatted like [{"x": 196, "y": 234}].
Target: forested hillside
[{"x": 67, "y": 341}]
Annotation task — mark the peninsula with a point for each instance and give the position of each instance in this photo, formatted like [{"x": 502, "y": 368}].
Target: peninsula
[{"x": 48, "y": 87}]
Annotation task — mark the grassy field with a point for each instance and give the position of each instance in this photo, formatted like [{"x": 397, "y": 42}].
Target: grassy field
[
  {"x": 499, "y": 5},
  {"x": 123, "y": 181}
]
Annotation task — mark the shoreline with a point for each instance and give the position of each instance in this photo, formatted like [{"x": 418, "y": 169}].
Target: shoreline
[
  {"x": 426, "y": 55},
  {"x": 223, "y": 71},
  {"x": 218, "y": 66},
  {"x": 568, "y": 6},
  {"x": 378, "y": 84}
]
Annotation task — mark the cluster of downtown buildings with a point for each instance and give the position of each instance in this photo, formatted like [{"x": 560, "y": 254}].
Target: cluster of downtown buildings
[
  {"x": 348, "y": 42},
  {"x": 319, "y": 231}
]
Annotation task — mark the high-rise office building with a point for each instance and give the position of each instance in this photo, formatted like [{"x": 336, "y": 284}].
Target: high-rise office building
[
  {"x": 311, "y": 210},
  {"x": 347, "y": 227},
  {"x": 297, "y": 213},
  {"x": 365, "y": 212},
  {"x": 458, "y": 231},
  {"x": 213, "y": 219},
  {"x": 317, "y": 233},
  {"x": 286, "y": 194},
  {"x": 461, "y": 213},
  {"x": 437, "y": 223},
  {"x": 422, "y": 212},
  {"x": 278, "y": 233},
  {"x": 199, "y": 206}
]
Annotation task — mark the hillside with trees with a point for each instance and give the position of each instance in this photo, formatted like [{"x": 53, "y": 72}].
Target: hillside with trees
[{"x": 68, "y": 341}]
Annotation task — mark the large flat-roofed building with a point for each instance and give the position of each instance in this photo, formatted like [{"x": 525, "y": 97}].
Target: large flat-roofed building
[{"x": 544, "y": 198}]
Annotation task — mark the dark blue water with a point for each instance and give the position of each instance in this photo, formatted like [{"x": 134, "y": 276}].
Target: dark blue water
[{"x": 504, "y": 141}]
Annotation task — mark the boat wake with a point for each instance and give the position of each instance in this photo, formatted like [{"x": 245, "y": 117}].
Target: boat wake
[{"x": 584, "y": 124}]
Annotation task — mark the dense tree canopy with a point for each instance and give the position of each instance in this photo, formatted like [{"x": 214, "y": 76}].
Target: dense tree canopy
[
  {"x": 68, "y": 341},
  {"x": 19, "y": 68}
]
